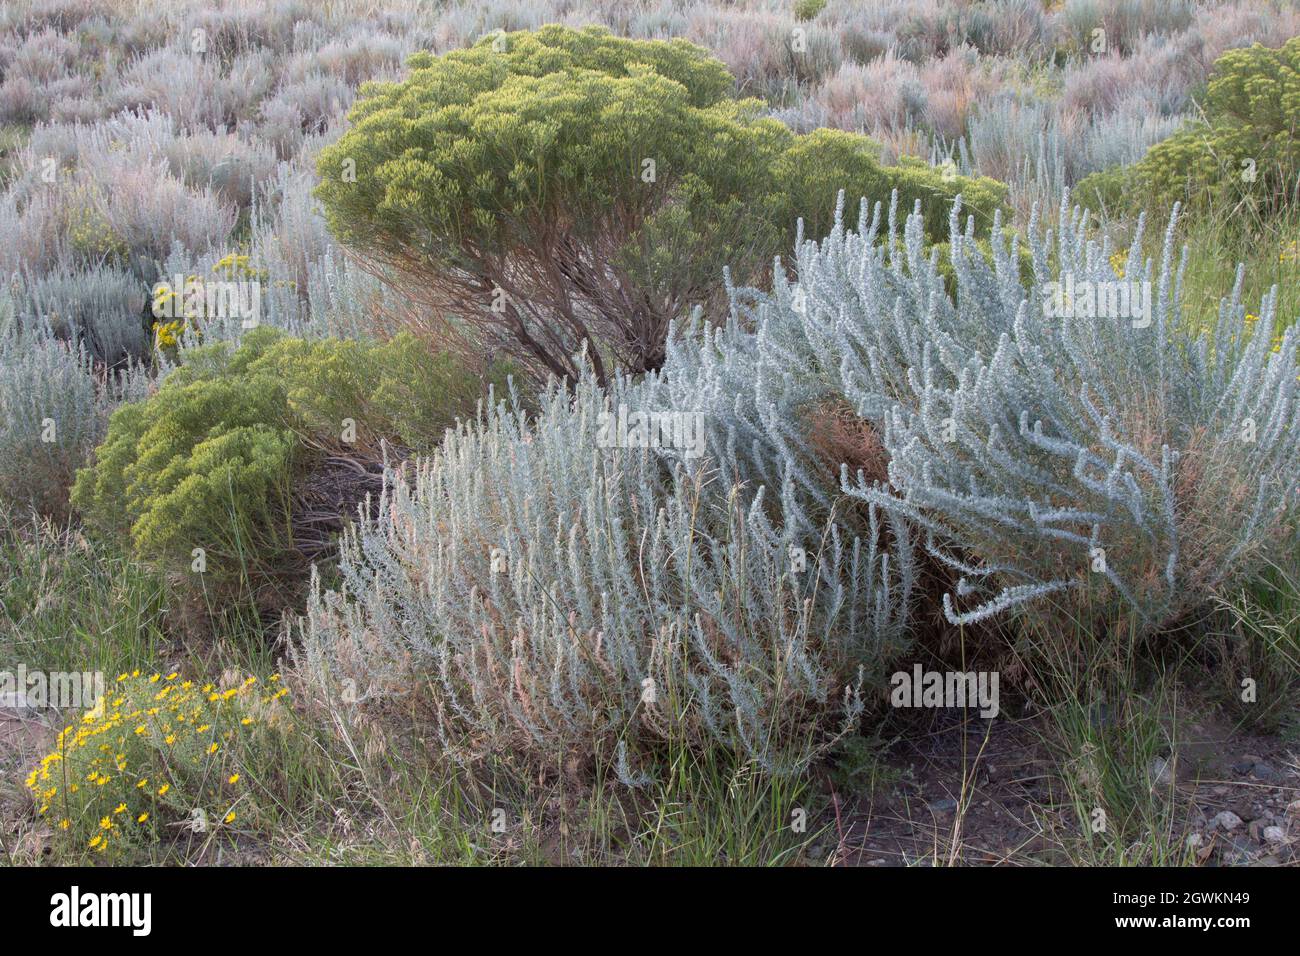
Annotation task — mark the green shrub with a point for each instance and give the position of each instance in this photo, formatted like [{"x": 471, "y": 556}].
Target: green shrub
[
  {"x": 808, "y": 9},
  {"x": 563, "y": 185},
  {"x": 1243, "y": 158},
  {"x": 231, "y": 454}
]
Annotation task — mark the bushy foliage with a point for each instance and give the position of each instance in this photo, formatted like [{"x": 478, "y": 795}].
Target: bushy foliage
[
  {"x": 54, "y": 407},
  {"x": 157, "y": 752},
  {"x": 1116, "y": 465},
  {"x": 1242, "y": 159},
  {"x": 534, "y": 589},
  {"x": 565, "y": 186},
  {"x": 213, "y": 460}
]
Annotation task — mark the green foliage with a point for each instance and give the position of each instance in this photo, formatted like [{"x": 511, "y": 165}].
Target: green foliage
[
  {"x": 601, "y": 183},
  {"x": 808, "y": 9},
  {"x": 212, "y": 459},
  {"x": 1244, "y": 158},
  {"x": 157, "y": 752}
]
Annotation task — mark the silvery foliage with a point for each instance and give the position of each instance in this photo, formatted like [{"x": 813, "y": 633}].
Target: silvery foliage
[
  {"x": 1123, "y": 463},
  {"x": 100, "y": 306},
  {"x": 559, "y": 597},
  {"x": 306, "y": 285},
  {"x": 54, "y": 408}
]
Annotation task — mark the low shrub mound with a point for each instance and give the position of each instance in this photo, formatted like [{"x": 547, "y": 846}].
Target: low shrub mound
[
  {"x": 1061, "y": 445},
  {"x": 1243, "y": 159},
  {"x": 159, "y": 752},
  {"x": 544, "y": 590},
  {"x": 54, "y": 408},
  {"x": 247, "y": 460},
  {"x": 565, "y": 186}
]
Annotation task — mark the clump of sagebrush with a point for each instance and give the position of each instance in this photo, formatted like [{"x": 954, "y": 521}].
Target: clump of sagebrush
[
  {"x": 216, "y": 479},
  {"x": 537, "y": 589},
  {"x": 1094, "y": 455},
  {"x": 1241, "y": 160},
  {"x": 54, "y": 407},
  {"x": 563, "y": 186},
  {"x": 159, "y": 752}
]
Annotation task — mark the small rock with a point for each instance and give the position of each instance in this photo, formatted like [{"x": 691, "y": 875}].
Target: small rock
[
  {"x": 1293, "y": 808},
  {"x": 1274, "y": 835},
  {"x": 1263, "y": 771},
  {"x": 1218, "y": 791},
  {"x": 948, "y": 805},
  {"x": 1243, "y": 767},
  {"x": 1161, "y": 771},
  {"x": 1225, "y": 820}
]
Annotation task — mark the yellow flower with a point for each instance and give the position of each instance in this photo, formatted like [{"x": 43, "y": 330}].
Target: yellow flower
[
  {"x": 213, "y": 749},
  {"x": 96, "y": 841},
  {"x": 64, "y": 823},
  {"x": 234, "y": 778},
  {"x": 230, "y": 817},
  {"x": 141, "y": 818},
  {"x": 106, "y": 824},
  {"x": 120, "y": 808},
  {"x": 163, "y": 789},
  {"x": 1118, "y": 261}
]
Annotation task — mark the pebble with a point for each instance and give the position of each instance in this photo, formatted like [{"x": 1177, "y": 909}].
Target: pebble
[
  {"x": 1274, "y": 835},
  {"x": 1225, "y": 820},
  {"x": 1161, "y": 771}
]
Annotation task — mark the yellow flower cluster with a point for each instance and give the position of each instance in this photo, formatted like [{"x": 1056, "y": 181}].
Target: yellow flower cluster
[
  {"x": 234, "y": 266},
  {"x": 152, "y": 743},
  {"x": 167, "y": 334},
  {"x": 1117, "y": 261}
]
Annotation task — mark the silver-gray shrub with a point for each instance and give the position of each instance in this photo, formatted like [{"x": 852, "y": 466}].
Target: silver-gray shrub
[
  {"x": 533, "y": 591},
  {"x": 1123, "y": 462},
  {"x": 54, "y": 409},
  {"x": 102, "y": 307},
  {"x": 1125, "y": 466}
]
